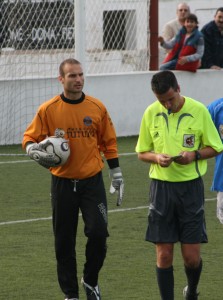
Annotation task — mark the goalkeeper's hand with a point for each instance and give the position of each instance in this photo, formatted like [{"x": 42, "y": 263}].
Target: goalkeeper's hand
[
  {"x": 117, "y": 184},
  {"x": 38, "y": 153}
]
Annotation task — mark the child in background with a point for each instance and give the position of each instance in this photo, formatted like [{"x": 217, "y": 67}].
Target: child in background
[{"x": 187, "y": 47}]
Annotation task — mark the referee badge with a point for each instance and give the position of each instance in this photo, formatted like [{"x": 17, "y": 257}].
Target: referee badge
[
  {"x": 221, "y": 131},
  {"x": 189, "y": 140}
]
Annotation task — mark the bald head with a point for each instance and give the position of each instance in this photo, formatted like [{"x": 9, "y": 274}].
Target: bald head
[{"x": 183, "y": 11}]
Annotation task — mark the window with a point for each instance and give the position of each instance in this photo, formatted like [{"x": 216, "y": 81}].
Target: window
[{"x": 119, "y": 30}]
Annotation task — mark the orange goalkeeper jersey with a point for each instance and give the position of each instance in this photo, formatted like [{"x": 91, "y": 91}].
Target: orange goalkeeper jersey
[{"x": 87, "y": 126}]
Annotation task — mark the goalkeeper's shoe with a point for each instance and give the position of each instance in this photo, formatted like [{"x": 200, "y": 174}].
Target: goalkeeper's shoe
[
  {"x": 188, "y": 296},
  {"x": 93, "y": 293}
]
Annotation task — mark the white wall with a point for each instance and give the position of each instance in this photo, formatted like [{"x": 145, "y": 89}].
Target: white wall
[{"x": 126, "y": 96}]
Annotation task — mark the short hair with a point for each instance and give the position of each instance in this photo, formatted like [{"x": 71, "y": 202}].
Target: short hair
[
  {"x": 192, "y": 17},
  {"x": 183, "y": 4},
  {"x": 70, "y": 61},
  {"x": 162, "y": 81},
  {"x": 219, "y": 9}
]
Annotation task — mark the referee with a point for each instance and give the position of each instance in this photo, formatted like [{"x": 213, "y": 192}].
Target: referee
[{"x": 176, "y": 137}]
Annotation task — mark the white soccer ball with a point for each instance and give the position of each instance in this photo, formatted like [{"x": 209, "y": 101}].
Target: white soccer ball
[{"x": 60, "y": 147}]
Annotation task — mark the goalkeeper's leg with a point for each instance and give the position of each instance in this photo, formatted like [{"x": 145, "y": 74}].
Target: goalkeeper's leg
[
  {"x": 94, "y": 210},
  {"x": 96, "y": 249},
  {"x": 65, "y": 221}
]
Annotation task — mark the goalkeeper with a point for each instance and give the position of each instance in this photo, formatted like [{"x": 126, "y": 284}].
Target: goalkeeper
[{"x": 78, "y": 184}]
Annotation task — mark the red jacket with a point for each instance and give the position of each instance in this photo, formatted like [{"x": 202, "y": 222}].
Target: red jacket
[{"x": 184, "y": 49}]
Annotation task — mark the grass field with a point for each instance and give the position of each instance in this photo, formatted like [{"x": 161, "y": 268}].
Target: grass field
[{"x": 27, "y": 260}]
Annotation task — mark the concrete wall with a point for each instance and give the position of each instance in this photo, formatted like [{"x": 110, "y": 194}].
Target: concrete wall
[{"x": 125, "y": 95}]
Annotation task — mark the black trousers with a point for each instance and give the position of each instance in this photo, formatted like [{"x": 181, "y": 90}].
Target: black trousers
[{"x": 68, "y": 198}]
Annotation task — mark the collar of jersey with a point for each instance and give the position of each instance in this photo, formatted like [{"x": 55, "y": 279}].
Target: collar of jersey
[{"x": 81, "y": 99}]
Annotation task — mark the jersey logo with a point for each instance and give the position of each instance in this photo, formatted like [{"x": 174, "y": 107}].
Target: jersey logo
[
  {"x": 59, "y": 132},
  {"x": 156, "y": 135},
  {"x": 221, "y": 131},
  {"x": 87, "y": 121},
  {"x": 189, "y": 140}
]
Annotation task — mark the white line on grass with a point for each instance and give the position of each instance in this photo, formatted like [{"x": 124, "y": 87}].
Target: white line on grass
[
  {"x": 49, "y": 218},
  {"x": 27, "y": 161},
  {"x": 15, "y": 162},
  {"x": 110, "y": 211}
]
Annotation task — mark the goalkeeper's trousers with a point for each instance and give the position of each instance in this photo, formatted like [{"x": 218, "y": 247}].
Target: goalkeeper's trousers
[{"x": 88, "y": 196}]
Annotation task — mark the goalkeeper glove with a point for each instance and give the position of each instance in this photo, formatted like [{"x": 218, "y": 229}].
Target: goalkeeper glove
[
  {"x": 38, "y": 153},
  {"x": 117, "y": 184}
]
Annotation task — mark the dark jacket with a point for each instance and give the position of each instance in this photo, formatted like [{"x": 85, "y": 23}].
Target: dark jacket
[{"x": 213, "y": 41}]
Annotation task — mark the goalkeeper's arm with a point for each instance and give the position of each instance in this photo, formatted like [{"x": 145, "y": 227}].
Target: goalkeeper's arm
[{"x": 117, "y": 181}]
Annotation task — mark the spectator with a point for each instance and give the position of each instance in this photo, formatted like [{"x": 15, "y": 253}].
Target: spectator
[
  {"x": 172, "y": 27},
  {"x": 216, "y": 111},
  {"x": 213, "y": 39},
  {"x": 187, "y": 47}
]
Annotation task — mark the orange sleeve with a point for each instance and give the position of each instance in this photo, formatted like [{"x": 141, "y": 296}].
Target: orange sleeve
[
  {"x": 108, "y": 140},
  {"x": 40, "y": 128},
  {"x": 36, "y": 130}
]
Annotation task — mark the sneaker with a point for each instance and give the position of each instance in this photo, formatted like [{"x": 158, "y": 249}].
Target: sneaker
[
  {"x": 93, "y": 293},
  {"x": 189, "y": 296},
  {"x": 71, "y": 299}
]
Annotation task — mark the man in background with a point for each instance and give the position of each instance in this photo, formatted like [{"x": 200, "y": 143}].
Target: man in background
[
  {"x": 213, "y": 41},
  {"x": 172, "y": 27}
]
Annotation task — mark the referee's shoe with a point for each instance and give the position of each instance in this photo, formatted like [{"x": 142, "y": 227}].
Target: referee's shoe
[
  {"x": 188, "y": 296},
  {"x": 93, "y": 293}
]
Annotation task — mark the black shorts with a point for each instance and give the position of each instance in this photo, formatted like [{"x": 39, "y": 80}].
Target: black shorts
[{"x": 176, "y": 212}]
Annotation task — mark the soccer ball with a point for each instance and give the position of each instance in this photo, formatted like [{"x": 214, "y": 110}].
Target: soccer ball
[{"x": 60, "y": 147}]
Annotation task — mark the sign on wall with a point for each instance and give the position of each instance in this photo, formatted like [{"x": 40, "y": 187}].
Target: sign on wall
[{"x": 37, "y": 24}]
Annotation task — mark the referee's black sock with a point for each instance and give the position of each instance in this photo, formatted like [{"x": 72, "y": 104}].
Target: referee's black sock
[
  {"x": 165, "y": 281},
  {"x": 193, "y": 277}
]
